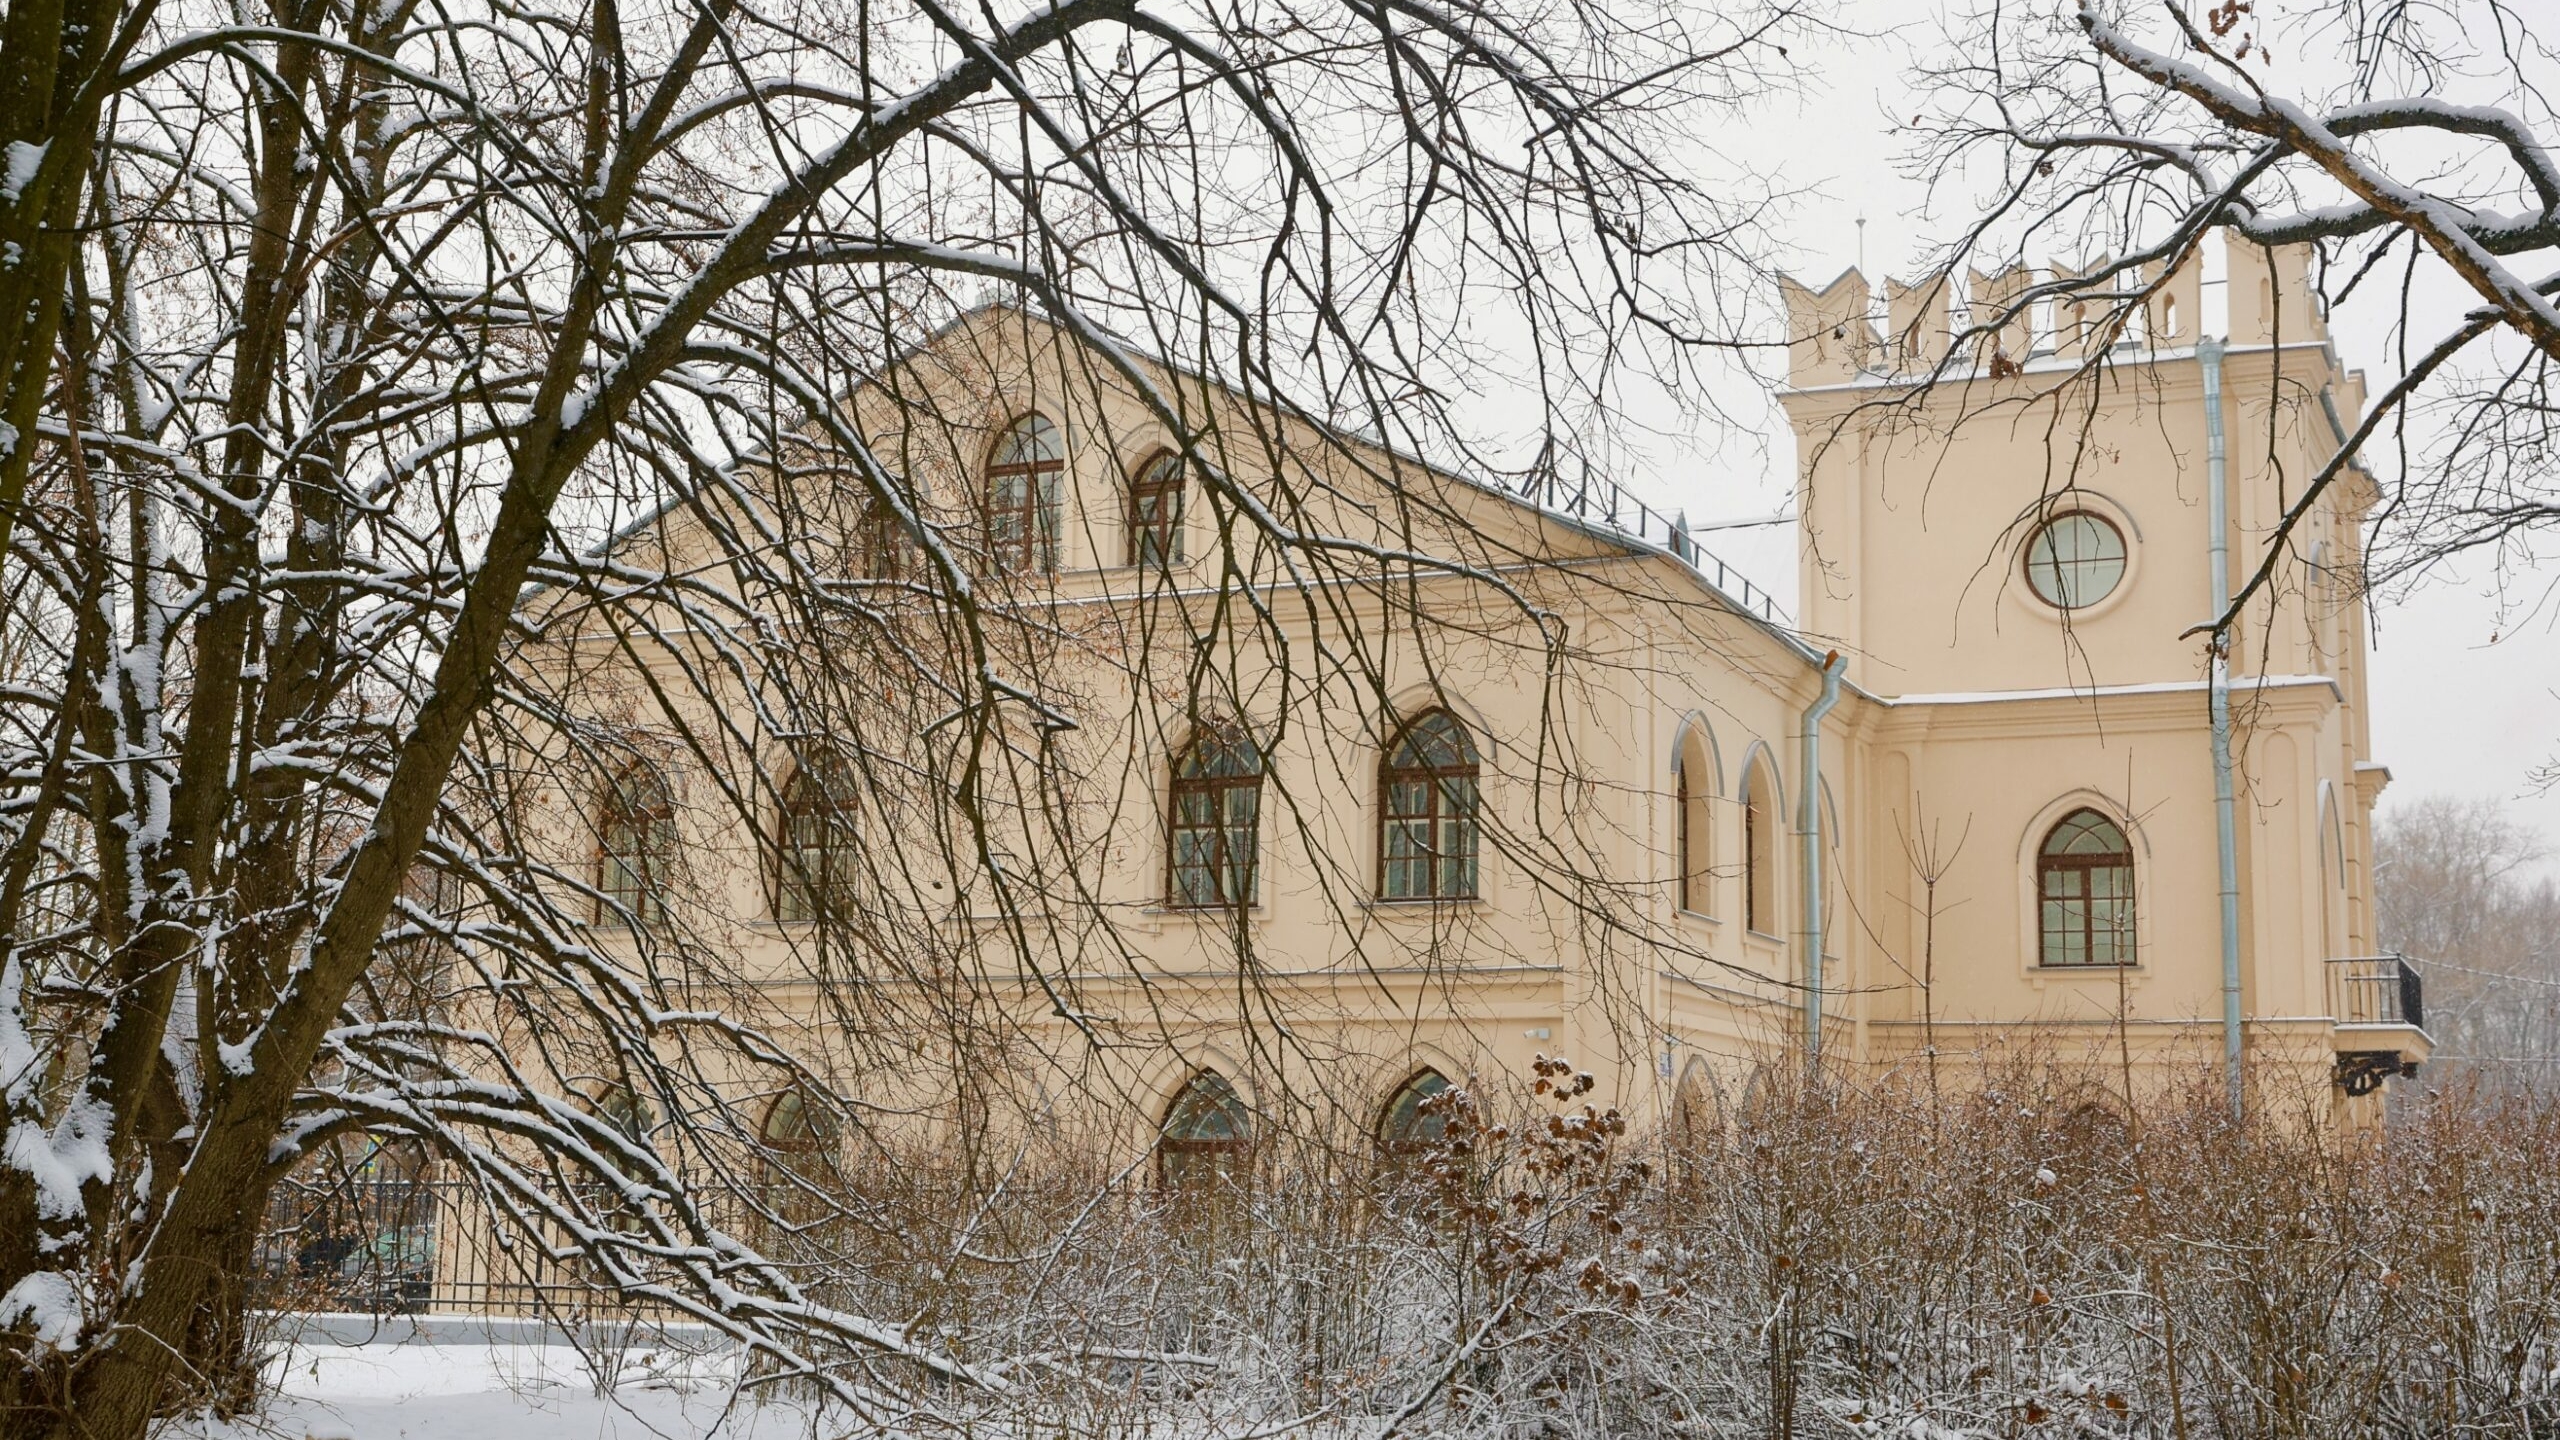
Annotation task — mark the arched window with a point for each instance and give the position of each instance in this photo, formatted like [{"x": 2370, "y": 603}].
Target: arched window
[
  {"x": 1427, "y": 811},
  {"x": 1760, "y": 835},
  {"x": 2084, "y": 892},
  {"x": 624, "y": 1111},
  {"x": 1405, "y": 1123},
  {"x": 1155, "y": 510},
  {"x": 633, "y": 1117},
  {"x": 792, "y": 1126},
  {"x": 1694, "y": 786},
  {"x": 1696, "y": 1111},
  {"x": 1216, "y": 815},
  {"x": 817, "y": 860},
  {"x": 1206, "y": 1130},
  {"x": 636, "y": 841},
  {"x": 884, "y": 543},
  {"x": 1022, "y": 497},
  {"x": 800, "y": 1143}
]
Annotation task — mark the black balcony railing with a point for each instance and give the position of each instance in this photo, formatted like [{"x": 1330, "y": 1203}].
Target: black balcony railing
[{"x": 2377, "y": 990}]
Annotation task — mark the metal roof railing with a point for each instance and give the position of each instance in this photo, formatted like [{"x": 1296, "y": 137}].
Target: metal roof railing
[{"x": 1608, "y": 505}]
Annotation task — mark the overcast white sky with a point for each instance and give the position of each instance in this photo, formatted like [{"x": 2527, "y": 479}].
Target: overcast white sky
[{"x": 2453, "y": 712}]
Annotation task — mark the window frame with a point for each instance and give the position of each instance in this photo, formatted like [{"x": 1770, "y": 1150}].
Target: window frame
[
  {"x": 801, "y": 889},
  {"x": 1695, "y": 837},
  {"x": 2122, "y": 938},
  {"x": 2027, "y": 561},
  {"x": 1218, "y": 1158},
  {"x": 1439, "y": 818},
  {"x": 1032, "y": 547},
  {"x": 885, "y": 542},
  {"x": 1219, "y": 791},
  {"x": 631, "y": 885},
  {"x": 1760, "y": 802},
  {"x": 1163, "y": 478},
  {"x": 1400, "y": 1139}
]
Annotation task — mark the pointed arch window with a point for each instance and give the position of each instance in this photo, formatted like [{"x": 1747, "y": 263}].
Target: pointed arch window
[
  {"x": 1206, "y": 1132},
  {"x": 818, "y": 859},
  {"x": 629, "y": 1114},
  {"x": 799, "y": 1161},
  {"x": 792, "y": 1126},
  {"x": 636, "y": 844},
  {"x": 1695, "y": 1113},
  {"x": 1428, "y": 836},
  {"x": 1215, "y": 838},
  {"x": 2084, "y": 892},
  {"x": 1693, "y": 786},
  {"x": 1409, "y": 1120},
  {"x": 1759, "y": 849},
  {"x": 1024, "y": 473},
  {"x": 1155, "y": 510}
]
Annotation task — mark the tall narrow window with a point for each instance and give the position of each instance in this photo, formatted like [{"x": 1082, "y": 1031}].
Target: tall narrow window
[
  {"x": 1216, "y": 821},
  {"x": 1759, "y": 850},
  {"x": 635, "y": 830},
  {"x": 1206, "y": 1130},
  {"x": 818, "y": 858},
  {"x": 1694, "y": 1111},
  {"x": 1410, "y": 1120},
  {"x": 1694, "y": 783},
  {"x": 1155, "y": 511},
  {"x": 1427, "y": 815},
  {"x": 884, "y": 543},
  {"x": 632, "y": 1117},
  {"x": 2084, "y": 892},
  {"x": 1022, "y": 497}
]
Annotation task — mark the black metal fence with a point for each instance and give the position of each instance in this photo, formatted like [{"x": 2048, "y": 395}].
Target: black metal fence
[
  {"x": 356, "y": 1240},
  {"x": 397, "y": 1244},
  {"x": 389, "y": 1239}
]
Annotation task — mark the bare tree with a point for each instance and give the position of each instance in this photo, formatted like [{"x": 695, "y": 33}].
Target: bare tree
[
  {"x": 361, "y": 362},
  {"x": 2456, "y": 885},
  {"x": 2408, "y": 145}
]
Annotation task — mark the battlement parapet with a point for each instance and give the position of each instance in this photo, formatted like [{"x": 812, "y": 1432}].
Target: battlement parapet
[{"x": 2002, "y": 320}]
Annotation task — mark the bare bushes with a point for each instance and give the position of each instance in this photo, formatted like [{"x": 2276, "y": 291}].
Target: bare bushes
[{"x": 2027, "y": 1260}]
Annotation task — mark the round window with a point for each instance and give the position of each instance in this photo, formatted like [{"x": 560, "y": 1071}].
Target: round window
[{"x": 2075, "y": 560}]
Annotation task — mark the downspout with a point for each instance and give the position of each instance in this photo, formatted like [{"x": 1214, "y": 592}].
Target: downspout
[
  {"x": 1809, "y": 836},
  {"x": 2225, "y": 824}
]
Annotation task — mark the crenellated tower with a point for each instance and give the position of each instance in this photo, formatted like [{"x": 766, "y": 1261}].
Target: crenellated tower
[{"x": 2021, "y": 513}]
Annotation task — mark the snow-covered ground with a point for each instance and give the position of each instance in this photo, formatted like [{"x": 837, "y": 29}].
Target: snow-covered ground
[{"x": 349, "y": 1378}]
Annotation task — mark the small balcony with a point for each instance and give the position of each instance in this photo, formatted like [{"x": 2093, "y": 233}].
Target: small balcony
[{"x": 2380, "y": 1006}]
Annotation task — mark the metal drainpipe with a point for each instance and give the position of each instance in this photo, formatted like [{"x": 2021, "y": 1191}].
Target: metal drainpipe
[
  {"x": 2226, "y": 828},
  {"x": 1809, "y": 835}
]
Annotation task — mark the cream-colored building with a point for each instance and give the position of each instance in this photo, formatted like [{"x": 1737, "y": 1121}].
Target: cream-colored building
[{"x": 1463, "y": 776}]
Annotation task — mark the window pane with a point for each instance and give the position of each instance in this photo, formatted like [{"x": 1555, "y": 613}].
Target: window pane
[
  {"x": 1032, "y": 441},
  {"x": 2111, "y": 940},
  {"x": 1458, "y": 839},
  {"x": 1408, "y": 875},
  {"x": 1405, "y": 1122},
  {"x": 2075, "y": 560}
]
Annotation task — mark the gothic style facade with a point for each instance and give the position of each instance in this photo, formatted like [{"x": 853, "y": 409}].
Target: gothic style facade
[{"x": 1465, "y": 775}]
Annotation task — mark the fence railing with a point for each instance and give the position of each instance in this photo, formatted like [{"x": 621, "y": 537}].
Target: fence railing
[
  {"x": 403, "y": 1244},
  {"x": 408, "y": 1246},
  {"x": 350, "y": 1243},
  {"x": 1597, "y": 501},
  {"x": 2377, "y": 990}
]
